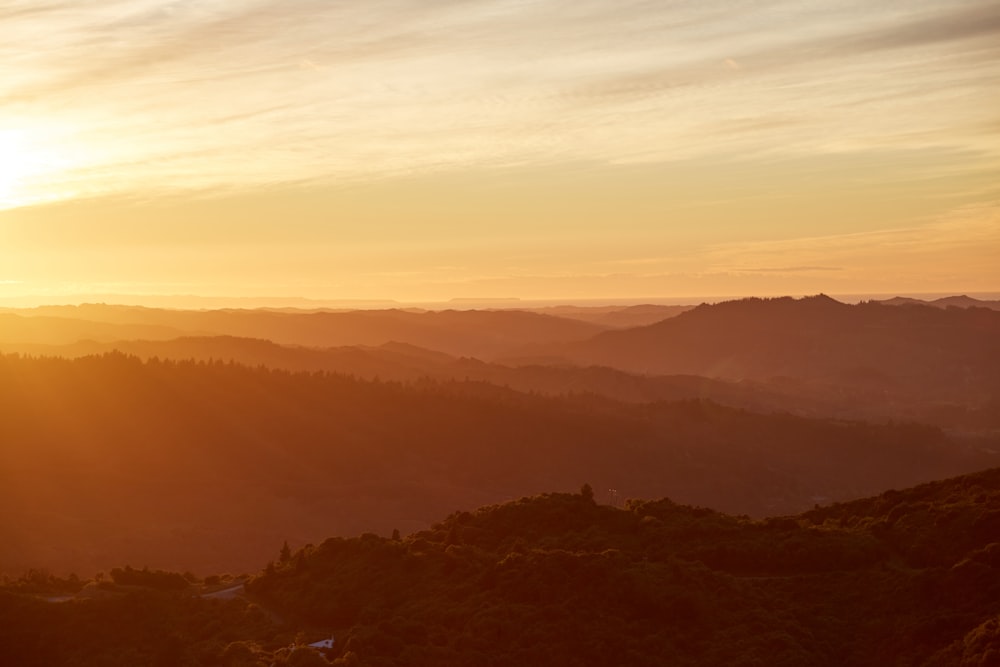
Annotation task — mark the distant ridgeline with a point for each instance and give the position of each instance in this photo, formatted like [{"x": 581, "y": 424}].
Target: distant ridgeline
[
  {"x": 908, "y": 577},
  {"x": 934, "y": 363}
]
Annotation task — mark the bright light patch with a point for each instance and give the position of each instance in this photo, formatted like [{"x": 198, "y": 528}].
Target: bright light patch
[
  {"x": 13, "y": 167},
  {"x": 31, "y": 168}
]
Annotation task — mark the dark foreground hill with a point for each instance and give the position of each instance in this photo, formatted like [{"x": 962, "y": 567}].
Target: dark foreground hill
[
  {"x": 909, "y": 577},
  {"x": 200, "y": 466}
]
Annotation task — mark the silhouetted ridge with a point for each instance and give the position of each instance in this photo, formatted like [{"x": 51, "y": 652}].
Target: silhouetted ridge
[{"x": 958, "y": 301}]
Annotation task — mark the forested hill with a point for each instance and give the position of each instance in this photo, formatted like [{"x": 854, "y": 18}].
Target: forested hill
[
  {"x": 559, "y": 580},
  {"x": 909, "y": 577},
  {"x": 204, "y": 466},
  {"x": 911, "y": 352},
  {"x": 402, "y": 362}
]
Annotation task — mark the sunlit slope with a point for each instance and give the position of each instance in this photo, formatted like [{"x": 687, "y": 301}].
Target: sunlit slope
[
  {"x": 47, "y": 330},
  {"x": 478, "y": 333},
  {"x": 202, "y": 466}
]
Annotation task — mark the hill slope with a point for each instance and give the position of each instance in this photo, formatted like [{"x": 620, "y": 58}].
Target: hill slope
[
  {"x": 884, "y": 352},
  {"x": 407, "y": 363},
  {"x": 558, "y": 580},
  {"x": 909, "y": 577},
  {"x": 478, "y": 333},
  {"x": 203, "y": 466}
]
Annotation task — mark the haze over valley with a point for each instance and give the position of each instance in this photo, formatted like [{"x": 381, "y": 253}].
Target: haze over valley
[{"x": 404, "y": 333}]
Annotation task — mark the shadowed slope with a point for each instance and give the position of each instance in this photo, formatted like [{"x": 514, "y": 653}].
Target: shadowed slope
[
  {"x": 194, "y": 465},
  {"x": 559, "y": 579},
  {"x": 915, "y": 352}
]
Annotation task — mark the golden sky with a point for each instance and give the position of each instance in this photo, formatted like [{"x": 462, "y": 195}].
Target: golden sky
[{"x": 422, "y": 150}]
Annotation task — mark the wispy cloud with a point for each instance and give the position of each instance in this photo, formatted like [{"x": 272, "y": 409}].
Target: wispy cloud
[
  {"x": 442, "y": 148},
  {"x": 962, "y": 22},
  {"x": 964, "y": 242},
  {"x": 155, "y": 95},
  {"x": 794, "y": 269}
]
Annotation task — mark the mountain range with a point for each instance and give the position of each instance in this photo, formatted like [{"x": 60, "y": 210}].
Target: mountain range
[{"x": 812, "y": 357}]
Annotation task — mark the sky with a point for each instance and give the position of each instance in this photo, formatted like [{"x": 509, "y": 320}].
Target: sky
[{"x": 425, "y": 150}]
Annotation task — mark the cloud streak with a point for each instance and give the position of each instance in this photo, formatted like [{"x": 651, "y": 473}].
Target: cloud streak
[
  {"x": 171, "y": 95},
  {"x": 583, "y": 146},
  {"x": 963, "y": 242}
]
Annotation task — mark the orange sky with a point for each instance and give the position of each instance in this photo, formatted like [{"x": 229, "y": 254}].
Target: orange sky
[{"x": 422, "y": 151}]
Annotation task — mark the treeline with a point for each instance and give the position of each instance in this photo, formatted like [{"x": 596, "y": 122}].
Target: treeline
[{"x": 203, "y": 466}]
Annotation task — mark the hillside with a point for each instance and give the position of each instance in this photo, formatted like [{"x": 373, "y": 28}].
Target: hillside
[
  {"x": 474, "y": 333},
  {"x": 811, "y": 357},
  {"x": 879, "y": 353},
  {"x": 203, "y": 466},
  {"x": 616, "y": 317},
  {"x": 909, "y": 577},
  {"x": 47, "y": 330},
  {"x": 558, "y": 580},
  {"x": 407, "y": 363}
]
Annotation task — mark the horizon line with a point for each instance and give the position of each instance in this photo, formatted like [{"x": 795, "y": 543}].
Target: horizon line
[{"x": 224, "y": 302}]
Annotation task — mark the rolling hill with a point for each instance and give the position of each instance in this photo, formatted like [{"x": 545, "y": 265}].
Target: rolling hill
[
  {"x": 475, "y": 333},
  {"x": 203, "y": 466},
  {"x": 882, "y": 353},
  {"x": 908, "y": 577}
]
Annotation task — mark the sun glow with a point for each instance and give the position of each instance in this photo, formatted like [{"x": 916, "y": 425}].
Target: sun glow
[
  {"x": 11, "y": 166},
  {"x": 30, "y": 166}
]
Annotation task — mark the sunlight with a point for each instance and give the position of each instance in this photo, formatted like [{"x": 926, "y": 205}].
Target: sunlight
[
  {"x": 14, "y": 167},
  {"x": 27, "y": 163}
]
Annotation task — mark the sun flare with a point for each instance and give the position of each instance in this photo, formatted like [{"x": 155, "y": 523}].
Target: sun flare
[
  {"x": 30, "y": 165},
  {"x": 12, "y": 166}
]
